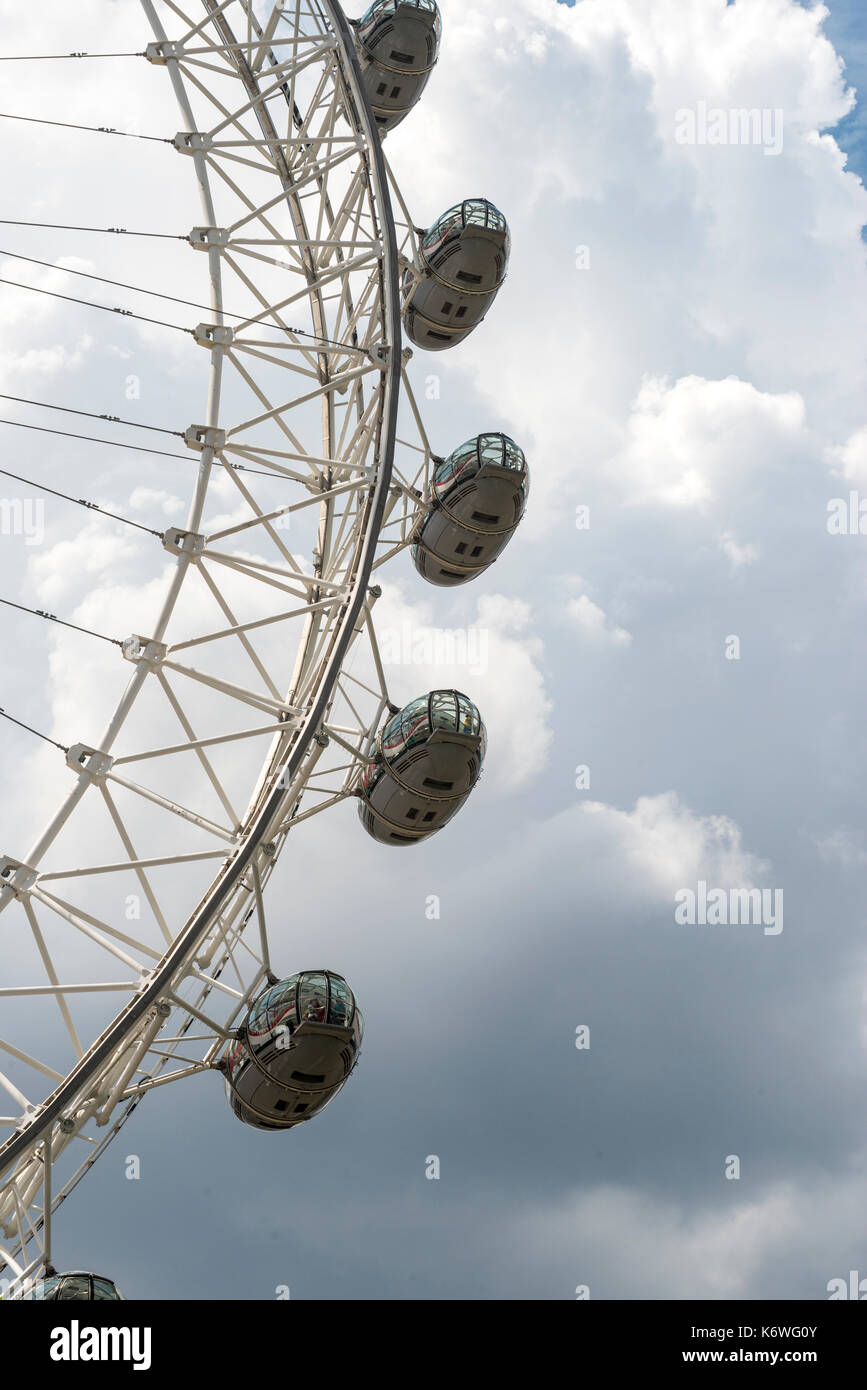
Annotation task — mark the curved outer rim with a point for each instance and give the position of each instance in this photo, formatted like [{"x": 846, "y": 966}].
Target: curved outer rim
[{"x": 202, "y": 919}]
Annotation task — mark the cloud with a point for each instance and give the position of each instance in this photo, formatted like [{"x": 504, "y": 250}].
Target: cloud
[
  {"x": 154, "y": 500},
  {"x": 683, "y": 1251},
  {"x": 592, "y": 621},
  {"x": 849, "y": 460},
  {"x": 492, "y": 652},
  {"x": 842, "y": 846},
  {"x": 666, "y": 845},
  {"x": 736, "y": 553},
  {"x": 690, "y": 442},
  {"x": 705, "y": 280}
]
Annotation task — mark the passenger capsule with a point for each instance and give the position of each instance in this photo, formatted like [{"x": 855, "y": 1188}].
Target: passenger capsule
[
  {"x": 300, "y": 1041},
  {"x": 398, "y": 43},
  {"x": 464, "y": 258},
  {"x": 429, "y": 757},
  {"x": 477, "y": 498},
  {"x": 77, "y": 1286}
]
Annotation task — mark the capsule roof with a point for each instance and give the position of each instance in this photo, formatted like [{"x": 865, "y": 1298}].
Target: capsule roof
[
  {"x": 381, "y": 9},
  {"x": 384, "y": 7},
  {"x": 321, "y": 996},
  {"x": 495, "y": 449},
  {"x": 449, "y": 711},
  {"x": 473, "y": 218},
  {"x": 76, "y": 1284},
  {"x": 472, "y": 212}
]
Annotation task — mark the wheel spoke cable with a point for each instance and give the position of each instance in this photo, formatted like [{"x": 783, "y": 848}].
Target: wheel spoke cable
[
  {"x": 114, "y": 231},
  {"x": 137, "y": 448},
  {"x": 91, "y": 415},
  {"x": 49, "y": 57},
  {"x": 175, "y": 299},
  {"x": 29, "y": 727},
  {"x": 80, "y": 502},
  {"x": 53, "y": 618},
  {"x": 96, "y": 129},
  {"x": 89, "y": 303}
]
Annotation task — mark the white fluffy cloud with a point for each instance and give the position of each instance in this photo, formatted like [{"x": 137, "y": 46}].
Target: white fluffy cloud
[
  {"x": 849, "y": 460},
  {"x": 593, "y": 623},
  {"x": 663, "y": 845},
  {"x": 493, "y": 654},
  {"x": 689, "y": 442},
  {"x": 726, "y": 262}
]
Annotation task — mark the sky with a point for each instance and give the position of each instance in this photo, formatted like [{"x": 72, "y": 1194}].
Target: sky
[{"x": 673, "y": 679}]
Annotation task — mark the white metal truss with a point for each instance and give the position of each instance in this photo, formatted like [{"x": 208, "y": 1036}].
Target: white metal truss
[{"x": 254, "y": 699}]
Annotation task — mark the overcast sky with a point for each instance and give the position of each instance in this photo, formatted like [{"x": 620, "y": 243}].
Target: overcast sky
[{"x": 679, "y": 349}]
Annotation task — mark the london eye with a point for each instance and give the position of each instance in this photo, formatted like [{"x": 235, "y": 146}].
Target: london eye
[{"x": 255, "y": 696}]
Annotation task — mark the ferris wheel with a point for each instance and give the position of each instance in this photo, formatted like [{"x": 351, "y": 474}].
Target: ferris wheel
[{"x": 136, "y": 933}]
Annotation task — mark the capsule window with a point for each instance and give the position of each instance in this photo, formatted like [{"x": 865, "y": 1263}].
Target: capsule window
[
  {"x": 103, "y": 1290},
  {"x": 447, "y": 306},
  {"x": 400, "y": 57},
  {"x": 459, "y": 549},
  {"x": 281, "y": 1105},
  {"x": 395, "y": 92},
  {"x": 468, "y": 278},
  {"x": 412, "y": 813},
  {"x": 341, "y": 1002},
  {"x": 476, "y": 550},
  {"x": 312, "y": 1001},
  {"x": 440, "y": 337},
  {"x": 428, "y": 815},
  {"x": 77, "y": 1288},
  {"x": 380, "y": 89},
  {"x": 312, "y": 1078},
  {"x": 460, "y": 313},
  {"x": 438, "y": 786},
  {"x": 483, "y": 516},
  {"x": 301, "y": 1106}
]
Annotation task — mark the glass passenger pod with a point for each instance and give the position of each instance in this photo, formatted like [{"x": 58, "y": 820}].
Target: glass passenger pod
[
  {"x": 398, "y": 45},
  {"x": 477, "y": 499},
  {"x": 403, "y": 35},
  {"x": 76, "y": 1286},
  {"x": 299, "y": 1045},
  {"x": 430, "y": 756},
  {"x": 465, "y": 257},
  {"x": 468, "y": 247}
]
